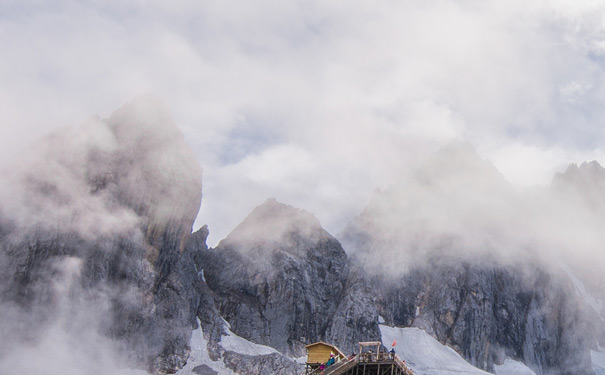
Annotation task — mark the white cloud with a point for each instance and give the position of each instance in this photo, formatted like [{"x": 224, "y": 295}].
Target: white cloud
[{"x": 318, "y": 102}]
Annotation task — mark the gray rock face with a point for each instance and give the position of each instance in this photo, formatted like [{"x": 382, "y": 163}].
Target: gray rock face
[
  {"x": 94, "y": 223},
  {"x": 204, "y": 370},
  {"x": 264, "y": 364},
  {"x": 281, "y": 280},
  {"x": 95, "y": 244},
  {"x": 269, "y": 283},
  {"x": 488, "y": 314},
  {"x": 448, "y": 261},
  {"x": 356, "y": 316}
]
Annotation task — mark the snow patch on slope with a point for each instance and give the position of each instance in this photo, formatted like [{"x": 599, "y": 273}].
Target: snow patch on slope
[
  {"x": 231, "y": 342},
  {"x": 512, "y": 367},
  {"x": 235, "y": 343},
  {"x": 598, "y": 362},
  {"x": 199, "y": 356},
  {"x": 301, "y": 360},
  {"x": 427, "y": 356}
]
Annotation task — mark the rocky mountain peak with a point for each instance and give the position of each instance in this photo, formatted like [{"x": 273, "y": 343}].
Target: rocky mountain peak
[
  {"x": 147, "y": 116},
  {"x": 275, "y": 225},
  {"x": 586, "y": 174},
  {"x": 283, "y": 281},
  {"x": 158, "y": 165},
  {"x": 131, "y": 171},
  {"x": 458, "y": 150},
  {"x": 458, "y": 166},
  {"x": 582, "y": 184}
]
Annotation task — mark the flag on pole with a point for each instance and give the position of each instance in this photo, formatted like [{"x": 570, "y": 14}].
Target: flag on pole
[{"x": 394, "y": 343}]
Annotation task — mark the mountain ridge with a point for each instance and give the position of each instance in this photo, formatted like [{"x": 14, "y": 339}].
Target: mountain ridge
[{"x": 99, "y": 240}]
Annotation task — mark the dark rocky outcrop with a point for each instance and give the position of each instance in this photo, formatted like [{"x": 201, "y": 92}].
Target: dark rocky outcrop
[
  {"x": 488, "y": 313},
  {"x": 283, "y": 281}
]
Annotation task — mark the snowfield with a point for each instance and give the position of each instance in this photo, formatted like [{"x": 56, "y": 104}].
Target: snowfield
[
  {"x": 512, "y": 367},
  {"x": 199, "y": 356},
  {"x": 231, "y": 342},
  {"x": 598, "y": 362},
  {"x": 235, "y": 343},
  {"x": 427, "y": 356}
]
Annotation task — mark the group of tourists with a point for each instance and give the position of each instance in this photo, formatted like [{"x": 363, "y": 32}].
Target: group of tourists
[{"x": 329, "y": 363}]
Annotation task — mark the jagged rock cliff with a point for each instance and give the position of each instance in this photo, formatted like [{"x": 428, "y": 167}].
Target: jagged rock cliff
[
  {"x": 281, "y": 280},
  {"x": 465, "y": 265},
  {"x": 489, "y": 313},
  {"x": 94, "y": 221}
]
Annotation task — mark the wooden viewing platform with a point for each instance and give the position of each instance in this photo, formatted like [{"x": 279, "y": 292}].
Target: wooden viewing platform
[{"x": 367, "y": 362}]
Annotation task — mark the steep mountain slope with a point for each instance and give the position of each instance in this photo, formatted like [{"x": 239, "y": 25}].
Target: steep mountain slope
[
  {"x": 448, "y": 249},
  {"x": 281, "y": 280},
  {"x": 487, "y": 314},
  {"x": 466, "y": 265}
]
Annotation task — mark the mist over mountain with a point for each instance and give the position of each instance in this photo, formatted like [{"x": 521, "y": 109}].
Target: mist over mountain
[
  {"x": 455, "y": 204},
  {"x": 94, "y": 220},
  {"x": 451, "y": 248},
  {"x": 290, "y": 285},
  {"x": 582, "y": 183},
  {"x": 487, "y": 270},
  {"x": 436, "y": 167},
  {"x": 100, "y": 270}
]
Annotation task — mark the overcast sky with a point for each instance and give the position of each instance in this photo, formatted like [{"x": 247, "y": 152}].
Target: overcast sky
[{"x": 316, "y": 103}]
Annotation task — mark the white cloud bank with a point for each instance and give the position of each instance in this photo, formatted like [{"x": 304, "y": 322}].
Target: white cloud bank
[{"x": 317, "y": 103}]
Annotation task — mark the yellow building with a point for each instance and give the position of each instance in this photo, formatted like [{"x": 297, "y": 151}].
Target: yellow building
[{"x": 319, "y": 352}]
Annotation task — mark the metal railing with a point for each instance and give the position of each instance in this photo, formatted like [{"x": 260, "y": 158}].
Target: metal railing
[
  {"x": 369, "y": 357},
  {"x": 336, "y": 366}
]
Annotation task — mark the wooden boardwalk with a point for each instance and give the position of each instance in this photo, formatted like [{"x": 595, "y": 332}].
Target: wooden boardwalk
[{"x": 367, "y": 363}]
